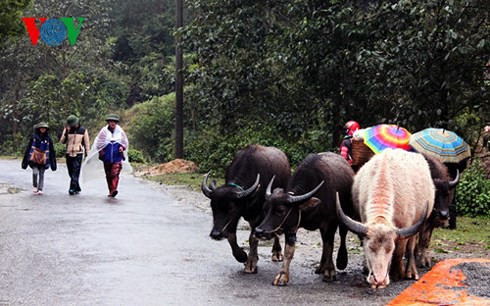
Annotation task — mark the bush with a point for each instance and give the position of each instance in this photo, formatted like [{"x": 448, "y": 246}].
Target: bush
[
  {"x": 14, "y": 145},
  {"x": 214, "y": 151},
  {"x": 136, "y": 156},
  {"x": 152, "y": 126},
  {"x": 60, "y": 149},
  {"x": 473, "y": 191}
]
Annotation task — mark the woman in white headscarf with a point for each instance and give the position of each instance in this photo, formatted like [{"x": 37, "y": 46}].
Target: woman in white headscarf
[{"x": 111, "y": 147}]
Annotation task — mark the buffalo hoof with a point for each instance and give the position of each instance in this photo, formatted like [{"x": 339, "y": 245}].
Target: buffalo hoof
[
  {"x": 329, "y": 276},
  {"x": 240, "y": 255},
  {"x": 412, "y": 274},
  {"x": 281, "y": 279},
  {"x": 397, "y": 274},
  {"x": 251, "y": 268},
  {"x": 277, "y": 257},
  {"x": 425, "y": 261}
]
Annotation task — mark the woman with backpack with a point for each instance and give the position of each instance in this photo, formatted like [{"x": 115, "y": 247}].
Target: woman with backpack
[{"x": 39, "y": 155}]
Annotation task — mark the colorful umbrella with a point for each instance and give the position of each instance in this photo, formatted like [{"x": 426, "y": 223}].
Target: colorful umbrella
[
  {"x": 442, "y": 144},
  {"x": 383, "y": 136}
]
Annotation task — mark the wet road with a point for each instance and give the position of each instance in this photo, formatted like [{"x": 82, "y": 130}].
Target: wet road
[{"x": 141, "y": 248}]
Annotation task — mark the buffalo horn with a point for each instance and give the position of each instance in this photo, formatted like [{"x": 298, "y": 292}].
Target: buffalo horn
[
  {"x": 453, "y": 183},
  {"x": 294, "y": 199},
  {"x": 244, "y": 193},
  {"x": 412, "y": 230},
  {"x": 355, "y": 226},
  {"x": 205, "y": 189},
  {"x": 268, "y": 192}
]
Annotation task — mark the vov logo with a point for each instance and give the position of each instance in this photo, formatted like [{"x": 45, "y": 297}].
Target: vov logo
[{"x": 53, "y": 31}]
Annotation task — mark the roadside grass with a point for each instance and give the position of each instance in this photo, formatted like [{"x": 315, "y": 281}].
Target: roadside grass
[
  {"x": 470, "y": 233},
  {"x": 9, "y": 157},
  {"x": 192, "y": 180}
]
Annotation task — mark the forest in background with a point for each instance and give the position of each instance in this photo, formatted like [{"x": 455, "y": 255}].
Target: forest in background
[{"x": 284, "y": 73}]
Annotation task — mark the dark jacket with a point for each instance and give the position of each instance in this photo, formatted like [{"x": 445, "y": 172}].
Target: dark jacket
[{"x": 42, "y": 142}]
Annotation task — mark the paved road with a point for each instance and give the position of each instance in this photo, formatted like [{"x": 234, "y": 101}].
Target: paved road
[{"x": 141, "y": 248}]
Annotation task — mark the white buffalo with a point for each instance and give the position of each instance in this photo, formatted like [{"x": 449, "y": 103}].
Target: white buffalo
[{"x": 393, "y": 194}]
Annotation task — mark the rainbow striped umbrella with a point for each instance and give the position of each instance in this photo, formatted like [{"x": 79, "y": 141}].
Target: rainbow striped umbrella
[
  {"x": 383, "y": 136},
  {"x": 442, "y": 144}
]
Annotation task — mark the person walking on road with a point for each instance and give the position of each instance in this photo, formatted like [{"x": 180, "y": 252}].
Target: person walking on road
[
  {"x": 39, "y": 155},
  {"x": 77, "y": 142},
  {"x": 112, "y": 144}
]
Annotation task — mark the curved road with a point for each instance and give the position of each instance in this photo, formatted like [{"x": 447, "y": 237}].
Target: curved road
[{"x": 142, "y": 248}]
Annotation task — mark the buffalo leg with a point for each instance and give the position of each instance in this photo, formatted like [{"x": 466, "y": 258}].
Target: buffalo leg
[
  {"x": 327, "y": 268},
  {"x": 282, "y": 278},
  {"x": 411, "y": 271},
  {"x": 397, "y": 271},
  {"x": 253, "y": 257},
  {"x": 342, "y": 257},
  {"x": 239, "y": 254},
  {"x": 277, "y": 250},
  {"x": 423, "y": 244}
]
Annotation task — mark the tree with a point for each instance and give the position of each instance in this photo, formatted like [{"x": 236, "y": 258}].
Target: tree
[
  {"x": 307, "y": 65},
  {"x": 48, "y": 83},
  {"x": 10, "y": 18}
]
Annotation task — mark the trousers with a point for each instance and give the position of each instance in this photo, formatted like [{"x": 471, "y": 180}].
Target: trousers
[
  {"x": 38, "y": 171},
  {"x": 74, "y": 165},
  {"x": 112, "y": 171}
]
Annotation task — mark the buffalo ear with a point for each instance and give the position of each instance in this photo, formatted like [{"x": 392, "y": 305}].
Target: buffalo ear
[{"x": 312, "y": 202}]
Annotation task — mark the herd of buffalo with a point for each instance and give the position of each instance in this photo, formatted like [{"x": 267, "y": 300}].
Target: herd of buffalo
[{"x": 392, "y": 203}]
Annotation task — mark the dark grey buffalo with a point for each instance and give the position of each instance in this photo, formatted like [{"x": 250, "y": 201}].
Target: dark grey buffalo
[
  {"x": 309, "y": 202},
  {"x": 243, "y": 195},
  {"x": 444, "y": 195}
]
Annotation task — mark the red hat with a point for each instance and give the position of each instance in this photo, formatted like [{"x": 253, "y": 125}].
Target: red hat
[{"x": 351, "y": 127}]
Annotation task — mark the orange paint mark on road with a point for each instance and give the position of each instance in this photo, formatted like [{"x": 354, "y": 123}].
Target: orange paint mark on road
[{"x": 441, "y": 286}]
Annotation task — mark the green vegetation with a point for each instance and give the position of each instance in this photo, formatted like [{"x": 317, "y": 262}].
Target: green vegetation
[
  {"x": 469, "y": 231},
  {"x": 473, "y": 192},
  {"x": 193, "y": 180},
  {"x": 151, "y": 127},
  {"x": 136, "y": 156},
  {"x": 10, "y": 18},
  {"x": 59, "y": 148}
]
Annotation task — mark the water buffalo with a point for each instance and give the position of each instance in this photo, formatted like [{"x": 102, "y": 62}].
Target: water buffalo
[
  {"x": 319, "y": 175},
  {"x": 393, "y": 194},
  {"x": 444, "y": 195},
  {"x": 243, "y": 195}
]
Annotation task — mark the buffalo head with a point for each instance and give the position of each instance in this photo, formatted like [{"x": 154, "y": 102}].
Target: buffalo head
[
  {"x": 282, "y": 210},
  {"x": 379, "y": 243},
  {"x": 444, "y": 197},
  {"x": 227, "y": 203}
]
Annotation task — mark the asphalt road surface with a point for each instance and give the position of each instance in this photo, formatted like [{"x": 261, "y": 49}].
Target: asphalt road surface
[{"x": 143, "y": 247}]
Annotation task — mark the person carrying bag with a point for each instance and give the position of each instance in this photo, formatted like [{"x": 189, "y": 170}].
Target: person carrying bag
[{"x": 39, "y": 155}]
